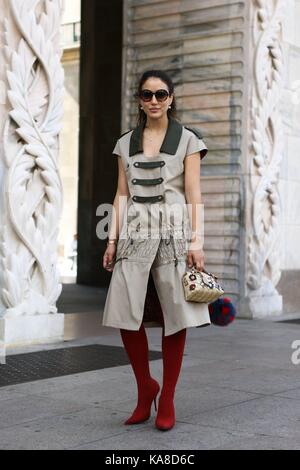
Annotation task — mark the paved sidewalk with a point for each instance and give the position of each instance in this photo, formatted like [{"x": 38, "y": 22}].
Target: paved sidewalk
[{"x": 238, "y": 389}]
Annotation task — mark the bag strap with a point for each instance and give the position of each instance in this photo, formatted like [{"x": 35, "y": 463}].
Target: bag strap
[{"x": 204, "y": 271}]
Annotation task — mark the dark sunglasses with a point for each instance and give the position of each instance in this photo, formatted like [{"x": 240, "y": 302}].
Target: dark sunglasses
[{"x": 160, "y": 95}]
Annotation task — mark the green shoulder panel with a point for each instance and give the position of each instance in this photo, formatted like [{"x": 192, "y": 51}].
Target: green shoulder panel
[
  {"x": 124, "y": 133},
  {"x": 195, "y": 131}
]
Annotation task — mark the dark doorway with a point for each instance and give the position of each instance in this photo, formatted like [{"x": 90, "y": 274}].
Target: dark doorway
[{"x": 100, "y": 126}]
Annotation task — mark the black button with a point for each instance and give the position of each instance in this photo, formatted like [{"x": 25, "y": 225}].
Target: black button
[
  {"x": 147, "y": 198},
  {"x": 136, "y": 164}
]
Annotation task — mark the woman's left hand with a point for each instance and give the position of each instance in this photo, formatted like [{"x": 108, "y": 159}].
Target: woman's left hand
[{"x": 196, "y": 258}]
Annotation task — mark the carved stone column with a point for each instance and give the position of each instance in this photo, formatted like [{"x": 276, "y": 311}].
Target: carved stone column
[
  {"x": 266, "y": 151},
  {"x": 31, "y": 198}
]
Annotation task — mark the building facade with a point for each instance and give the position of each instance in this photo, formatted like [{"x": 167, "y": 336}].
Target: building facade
[{"x": 235, "y": 65}]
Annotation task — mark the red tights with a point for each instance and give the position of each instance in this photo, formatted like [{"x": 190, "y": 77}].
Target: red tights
[{"x": 136, "y": 346}]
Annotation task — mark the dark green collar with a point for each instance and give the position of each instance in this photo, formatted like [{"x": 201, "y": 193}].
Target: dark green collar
[{"x": 169, "y": 145}]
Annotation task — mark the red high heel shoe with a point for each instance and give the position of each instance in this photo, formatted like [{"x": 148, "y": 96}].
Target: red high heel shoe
[
  {"x": 143, "y": 410},
  {"x": 165, "y": 418}
]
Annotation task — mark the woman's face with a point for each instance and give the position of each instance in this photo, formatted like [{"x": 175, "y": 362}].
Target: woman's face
[{"x": 155, "y": 109}]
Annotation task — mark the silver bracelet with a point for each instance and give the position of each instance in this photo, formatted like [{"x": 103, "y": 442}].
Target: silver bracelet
[{"x": 112, "y": 241}]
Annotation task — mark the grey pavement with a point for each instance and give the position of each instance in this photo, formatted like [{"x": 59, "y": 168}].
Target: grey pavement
[{"x": 238, "y": 389}]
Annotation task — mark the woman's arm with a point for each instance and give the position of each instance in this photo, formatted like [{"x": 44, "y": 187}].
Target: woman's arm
[
  {"x": 118, "y": 209},
  {"x": 195, "y": 255},
  {"x": 117, "y": 215}
]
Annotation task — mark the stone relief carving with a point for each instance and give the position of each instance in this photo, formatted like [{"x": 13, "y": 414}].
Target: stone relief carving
[
  {"x": 33, "y": 189},
  {"x": 266, "y": 148}
]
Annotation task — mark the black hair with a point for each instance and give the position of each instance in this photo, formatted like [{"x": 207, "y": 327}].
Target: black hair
[{"x": 142, "y": 116}]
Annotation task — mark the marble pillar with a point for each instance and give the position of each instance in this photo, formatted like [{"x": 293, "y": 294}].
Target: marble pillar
[
  {"x": 265, "y": 152},
  {"x": 31, "y": 198}
]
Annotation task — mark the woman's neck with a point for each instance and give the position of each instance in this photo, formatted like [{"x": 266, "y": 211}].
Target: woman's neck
[{"x": 157, "y": 125}]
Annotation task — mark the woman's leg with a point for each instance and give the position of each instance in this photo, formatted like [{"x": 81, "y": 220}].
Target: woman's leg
[
  {"x": 136, "y": 346},
  {"x": 172, "y": 350}
]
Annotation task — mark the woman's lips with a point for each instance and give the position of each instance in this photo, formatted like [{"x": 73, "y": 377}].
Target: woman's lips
[{"x": 154, "y": 110}]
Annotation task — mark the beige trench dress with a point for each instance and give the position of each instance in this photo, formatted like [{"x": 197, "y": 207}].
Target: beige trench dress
[{"x": 146, "y": 283}]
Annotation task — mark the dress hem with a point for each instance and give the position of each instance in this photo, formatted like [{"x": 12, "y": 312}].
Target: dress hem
[{"x": 152, "y": 324}]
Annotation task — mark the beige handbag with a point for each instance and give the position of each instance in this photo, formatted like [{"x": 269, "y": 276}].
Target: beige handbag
[{"x": 201, "y": 286}]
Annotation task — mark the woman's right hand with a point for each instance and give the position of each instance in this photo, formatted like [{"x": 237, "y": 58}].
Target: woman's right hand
[{"x": 109, "y": 257}]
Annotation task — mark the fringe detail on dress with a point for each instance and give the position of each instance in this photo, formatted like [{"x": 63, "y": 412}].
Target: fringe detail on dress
[
  {"x": 142, "y": 249},
  {"x": 166, "y": 250}
]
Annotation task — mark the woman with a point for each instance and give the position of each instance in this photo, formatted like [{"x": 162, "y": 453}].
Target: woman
[{"x": 155, "y": 176}]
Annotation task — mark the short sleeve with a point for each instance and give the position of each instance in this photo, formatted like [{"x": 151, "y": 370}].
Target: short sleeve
[
  {"x": 117, "y": 151},
  {"x": 195, "y": 144}
]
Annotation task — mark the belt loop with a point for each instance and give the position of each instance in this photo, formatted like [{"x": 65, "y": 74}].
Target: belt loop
[
  {"x": 175, "y": 256},
  {"x": 167, "y": 234}
]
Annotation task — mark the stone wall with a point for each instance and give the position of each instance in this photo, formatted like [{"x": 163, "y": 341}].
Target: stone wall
[
  {"x": 201, "y": 45},
  {"x": 290, "y": 168}
]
